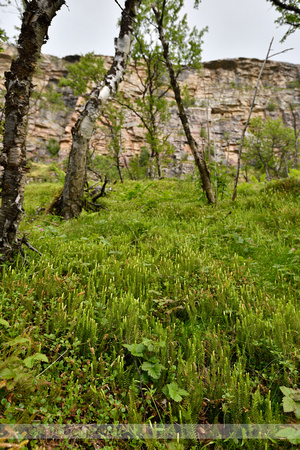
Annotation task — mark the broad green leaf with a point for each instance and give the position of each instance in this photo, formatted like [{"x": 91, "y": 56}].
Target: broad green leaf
[
  {"x": 154, "y": 360},
  {"x": 135, "y": 349},
  {"x": 4, "y": 322},
  {"x": 17, "y": 341},
  {"x": 149, "y": 344},
  {"x": 7, "y": 374},
  {"x": 295, "y": 395},
  {"x": 286, "y": 433},
  {"x": 36, "y": 357},
  {"x": 286, "y": 391},
  {"x": 290, "y": 434},
  {"x": 162, "y": 344},
  {"x": 288, "y": 404},
  {"x": 175, "y": 392},
  {"x": 153, "y": 369}
]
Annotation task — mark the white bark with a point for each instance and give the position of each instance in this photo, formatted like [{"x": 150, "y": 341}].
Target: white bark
[
  {"x": 70, "y": 204},
  {"x": 36, "y": 20}
]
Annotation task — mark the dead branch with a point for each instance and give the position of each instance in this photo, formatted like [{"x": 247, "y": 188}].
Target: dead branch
[
  {"x": 247, "y": 123},
  {"x": 102, "y": 192},
  {"x": 25, "y": 242}
]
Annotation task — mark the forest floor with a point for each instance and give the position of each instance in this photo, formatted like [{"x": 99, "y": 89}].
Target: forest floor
[{"x": 160, "y": 309}]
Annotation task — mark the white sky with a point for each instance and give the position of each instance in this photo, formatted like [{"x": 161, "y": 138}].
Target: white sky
[{"x": 237, "y": 28}]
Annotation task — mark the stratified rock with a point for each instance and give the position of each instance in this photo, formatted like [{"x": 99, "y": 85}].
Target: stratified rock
[{"x": 222, "y": 93}]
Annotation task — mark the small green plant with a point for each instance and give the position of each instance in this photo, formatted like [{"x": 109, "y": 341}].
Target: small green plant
[
  {"x": 203, "y": 133},
  {"x": 15, "y": 370},
  {"x": 59, "y": 173},
  {"x": 271, "y": 106},
  {"x": 187, "y": 100},
  {"x": 138, "y": 167},
  {"x": 174, "y": 392},
  {"x": 291, "y": 404},
  {"x": 269, "y": 147},
  {"x": 291, "y": 400},
  {"x": 53, "y": 98},
  {"x": 53, "y": 147},
  {"x": 295, "y": 84},
  {"x": 136, "y": 192},
  {"x": 147, "y": 350},
  {"x": 144, "y": 157},
  {"x": 105, "y": 165}
]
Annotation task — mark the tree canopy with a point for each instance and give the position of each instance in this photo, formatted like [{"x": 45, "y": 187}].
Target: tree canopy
[{"x": 289, "y": 14}]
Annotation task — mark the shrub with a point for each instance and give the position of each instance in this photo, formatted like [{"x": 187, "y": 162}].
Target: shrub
[
  {"x": 287, "y": 185},
  {"x": 271, "y": 106},
  {"x": 53, "y": 147}
]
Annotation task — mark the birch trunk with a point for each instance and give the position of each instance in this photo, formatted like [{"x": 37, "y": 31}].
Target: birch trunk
[
  {"x": 34, "y": 32},
  {"x": 199, "y": 160},
  {"x": 296, "y": 133},
  {"x": 70, "y": 203}
]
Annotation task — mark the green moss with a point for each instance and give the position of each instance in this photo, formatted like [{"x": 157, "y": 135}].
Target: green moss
[{"x": 208, "y": 295}]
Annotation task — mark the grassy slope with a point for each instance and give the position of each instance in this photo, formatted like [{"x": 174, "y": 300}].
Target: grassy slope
[{"x": 209, "y": 292}]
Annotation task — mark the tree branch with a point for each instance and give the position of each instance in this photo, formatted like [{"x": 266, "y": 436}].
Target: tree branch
[
  {"x": 285, "y": 6},
  {"x": 247, "y": 123}
]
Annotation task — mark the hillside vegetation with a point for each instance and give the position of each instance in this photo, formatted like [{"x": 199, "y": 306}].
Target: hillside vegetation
[{"x": 158, "y": 309}]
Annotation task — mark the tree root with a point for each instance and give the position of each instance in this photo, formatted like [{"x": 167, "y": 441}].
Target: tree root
[{"x": 9, "y": 252}]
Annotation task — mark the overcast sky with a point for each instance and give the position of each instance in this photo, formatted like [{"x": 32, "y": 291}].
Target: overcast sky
[{"x": 237, "y": 28}]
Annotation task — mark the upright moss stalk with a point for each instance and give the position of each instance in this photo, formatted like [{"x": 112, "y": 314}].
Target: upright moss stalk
[{"x": 36, "y": 20}]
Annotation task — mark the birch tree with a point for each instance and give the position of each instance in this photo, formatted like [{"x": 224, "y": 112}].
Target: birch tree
[
  {"x": 70, "y": 203},
  {"x": 187, "y": 50},
  {"x": 295, "y": 116},
  {"x": 36, "y": 20},
  {"x": 3, "y": 38},
  {"x": 150, "y": 105},
  {"x": 269, "y": 146}
]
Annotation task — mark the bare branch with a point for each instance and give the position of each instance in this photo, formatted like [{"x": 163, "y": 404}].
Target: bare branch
[
  {"x": 279, "y": 53},
  {"x": 247, "y": 123}
]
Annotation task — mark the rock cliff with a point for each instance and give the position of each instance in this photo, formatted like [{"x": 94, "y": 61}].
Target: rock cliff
[{"x": 222, "y": 95}]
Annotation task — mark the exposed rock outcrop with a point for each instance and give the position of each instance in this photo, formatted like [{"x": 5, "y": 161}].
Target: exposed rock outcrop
[{"x": 222, "y": 95}]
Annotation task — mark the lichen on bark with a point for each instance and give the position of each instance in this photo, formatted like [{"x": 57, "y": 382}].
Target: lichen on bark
[{"x": 37, "y": 18}]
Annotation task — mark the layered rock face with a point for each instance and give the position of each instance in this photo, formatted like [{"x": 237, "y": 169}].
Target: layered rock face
[{"x": 222, "y": 93}]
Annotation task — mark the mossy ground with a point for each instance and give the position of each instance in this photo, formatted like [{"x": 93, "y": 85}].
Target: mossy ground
[{"x": 210, "y": 294}]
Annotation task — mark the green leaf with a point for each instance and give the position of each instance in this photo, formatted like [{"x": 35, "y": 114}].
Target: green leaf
[
  {"x": 286, "y": 391},
  {"x": 135, "y": 349},
  {"x": 149, "y": 344},
  {"x": 288, "y": 404},
  {"x": 175, "y": 392},
  {"x": 289, "y": 433},
  {"x": 4, "y": 322},
  {"x": 7, "y": 374},
  {"x": 162, "y": 344},
  {"x": 153, "y": 369},
  {"x": 297, "y": 410},
  {"x": 36, "y": 357},
  {"x": 295, "y": 395},
  {"x": 17, "y": 341}
]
